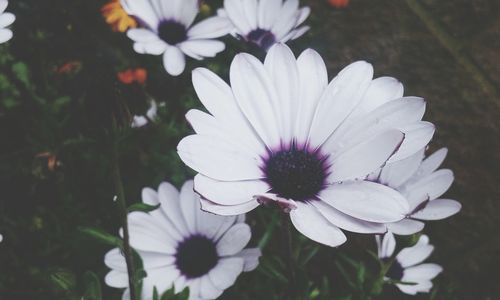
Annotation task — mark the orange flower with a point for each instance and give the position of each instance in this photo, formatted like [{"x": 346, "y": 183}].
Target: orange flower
[
  {"x": 117, "y": 17},
  {"x": 338, "y": 3},
  {"x": 130, "y": 76},
  {"x": 52, "y": 161}
]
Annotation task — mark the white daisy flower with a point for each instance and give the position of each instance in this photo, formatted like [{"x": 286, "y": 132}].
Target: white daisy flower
[
  {"x": 421, "y": 183},
  {"x": 266, "y": 22},
  {"x": 281, "y": 134},
  {"x": 183, "y": 246},
  {"x": 151, "y": 115},
  {"x": 169, "y": 31},
  {"x": 407, "y": 266},
  {"x": 6, "y": 19}
]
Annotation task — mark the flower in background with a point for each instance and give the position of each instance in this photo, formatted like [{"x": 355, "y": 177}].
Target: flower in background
[
  {"x": 129, "y": 76},
  {"x": 419, "y": 181},
  {"x": 6, "y": 19},
  {"x": 280, "y": 134},
  {"x": 407, "y": 266},
  {"x": 338, "y": 3},
  {"x": 266, "y": 22},
  {"x": 151, "y": 115},
  {"x": 183, "y": 246},
  {"x": 69, "y": 67},
  {"x": 117, "y": 17},
  {"x": 169, "y": 31},
  {"x": 52, "y": 161}
]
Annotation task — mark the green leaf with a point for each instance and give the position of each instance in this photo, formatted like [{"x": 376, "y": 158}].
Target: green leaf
[
  {"x": 21, "y": 71},
  {"x": 92, "y": 286},
  {"x": 64, "y": 280},
  {"x": 142, "y": 207},
  {"x": 102, "y": 236},
  {"x": 266, "y": 237}
]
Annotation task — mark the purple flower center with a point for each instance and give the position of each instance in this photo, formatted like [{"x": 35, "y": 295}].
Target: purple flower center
[
  {"x": 262, "y": 38},
  {"x": 172, "y": 32},
  {"x": 296, "y": 173},
  {"x": 196, "y": 256},
  {"x": 395, "y": 271}
]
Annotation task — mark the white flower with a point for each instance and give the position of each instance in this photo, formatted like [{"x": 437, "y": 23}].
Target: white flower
[
  {"x": 281, "y": 132},
  {"x": 6, "y": 19},
  {"x": 169, "y": 31},
  {"x": 419, "y": 181},
  {"x": 151, "y": 114},
  {"x": 407, "y": 266},
  {"x": 183, "y": 246},
  {"x": 266, "y": 22}
]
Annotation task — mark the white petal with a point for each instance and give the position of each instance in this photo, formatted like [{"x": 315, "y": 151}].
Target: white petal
[
  {"x": 308, "y": 221},
  {"x": 313, "y": 81},
  {"x": 438, "y": 209},
  {"x": 234, "y": 240},
  {"x": 366, "y": 201},
  {"x": 218, "y": 99},
  {"x": 228, "y": 210},
  {"x": 388, "y": 245},
  {"x": 152, "y": 260},
  {"x": 286, "y": 19},
  {"x": 347, "y": 222},
  {"x": 163, "y": 278},
  {"x": 392, "y": 115},
  {"x": 202, "y": 48},
  {"x": 268, "y": 13},
  {"x": 142, "y": 35},
  {"x": 210, "y": 28},
  {"x": 143, "y": 10},
  {"x": 251, "y": 257},
  {"x": 190, "y": 205},
  {"x": 421, "y": 286},
  {"x": 149, "y": 196},
  {"x": 114, "y": 259},
  {"x": 237, "y": 15},
  {"x": 186, "y": 11},
  {"x": 406, "y": 227},
  {"x": 433, "y": 185},
  {"x": 414, "y": 255},
  {"x": 3, "y": 5},
  {"x": 208, "y": 289},
  {"x": 364, "y": 158},
  {"x": 342, "y": 95},
  {"x": 281, "y": 65},
  {"x": 250, "y": 81},
  {"x": 397, "y": 173},
  {"x": 417, "y": 136},
  {"x": 5, "y": 35},
  {"x": 421, "y": 272},
  {"x": 174, "y": 61},
  {"x": 224, "y": 274},
  {"x": 147, "y": 234},
  {"x": 229, "y": 192},
  {"x": 154, "y": 48},
  {"x": 380, "y": 91},
  {"x": 170, "y": 205},
  {"x": 6, "y": 19},
  {"x": 116, "y": 279},
  {"x": 296, "y": 33},
  {"x": 431, "y": 163},
  {"x": 218, "y": 158}
]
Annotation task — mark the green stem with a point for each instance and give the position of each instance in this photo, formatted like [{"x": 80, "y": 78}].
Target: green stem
[
  {"x": 453, "y": 46},
  {"x": 287, "y": 233},
  {"x": 120, "y": 199}
]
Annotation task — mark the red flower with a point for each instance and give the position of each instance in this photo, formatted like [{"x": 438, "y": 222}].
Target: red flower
[
  {"x": 130, "y": 76},
  {"x": 338, "y": 3}
]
